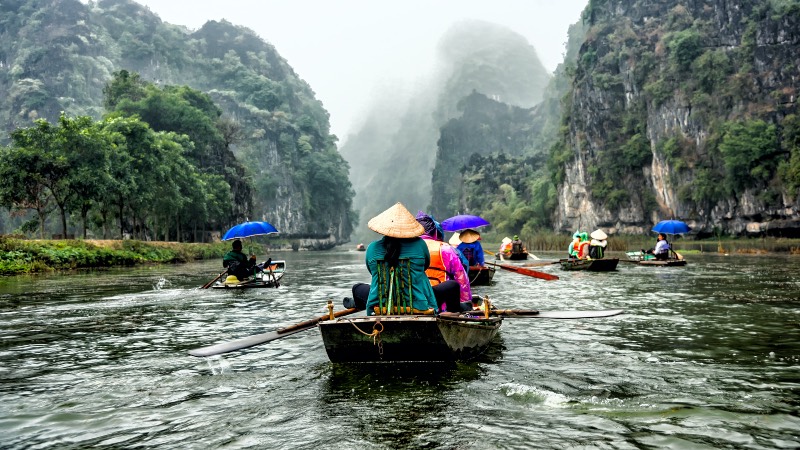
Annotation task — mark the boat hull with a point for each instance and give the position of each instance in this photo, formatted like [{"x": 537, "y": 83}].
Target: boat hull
[
  {"x": 512, "y": 256},
  {"x": 417, "y": 338},
  {"x": 592, "y": 265},
  {"x": 481, "y": 276},
  {"x": 663, "y": 263},
  {"x": 262, "y": 279}
]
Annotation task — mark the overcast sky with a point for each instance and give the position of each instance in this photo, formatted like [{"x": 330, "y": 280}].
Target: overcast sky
[{"x": 344, "y": 49}]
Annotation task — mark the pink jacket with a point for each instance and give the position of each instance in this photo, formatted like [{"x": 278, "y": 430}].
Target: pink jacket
[{"x": 454, "y": 269}]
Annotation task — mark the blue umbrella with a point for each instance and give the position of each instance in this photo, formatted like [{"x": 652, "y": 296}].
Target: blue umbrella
[
  {"x": 671, "y": 227},
  {"x": 463, "y": 221},
  {"x": 248, "y": 229}
]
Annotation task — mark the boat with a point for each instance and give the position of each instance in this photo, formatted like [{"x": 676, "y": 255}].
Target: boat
[
  {"x": 480, "y": 276},
  {"x": 361, "y": 248},
  {"x": 269, "y": 278},
  {"x": 512, "y": 256},
  {"x": 593, "y": 265},
  {"x": 645, "y": 259},
  {"x": 409, "y": 338}
]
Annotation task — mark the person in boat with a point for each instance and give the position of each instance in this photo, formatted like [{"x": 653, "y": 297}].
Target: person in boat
[
  {"x": 446, "y": 272},
  {"x": 454, "y": 241},
  {"x": 401, "y": 252},
  {"x": 238, "y": 264},
  {"x": 583, "y": 246},
  {"x": 505, "y": 247},
  {"x": 471, "y": 247},
  {"x": 661, "y": 249},
  {"x": 517, "y": 247},
  {"x": 597, "y": 245},
  {"x": 573, "y": 249}
]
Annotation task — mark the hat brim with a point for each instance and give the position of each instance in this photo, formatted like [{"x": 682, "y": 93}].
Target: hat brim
[
  {"x": 598, "y": 234},
  {"x": 469, "y": 236},
  {"x": 396, "y": 222},
  {"x": 454, "y": 240}
]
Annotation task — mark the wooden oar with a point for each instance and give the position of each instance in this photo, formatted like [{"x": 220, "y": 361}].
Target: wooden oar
[
  {"x": 258, "y": 339},
  {"x": 535, "y": 314},
  {"x": 524, "y": 271},
  {"x": 540, "y": 263},
  {"x": 205, "y": 286}
]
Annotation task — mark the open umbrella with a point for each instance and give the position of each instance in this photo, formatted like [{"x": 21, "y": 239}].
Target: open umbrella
[
  {"x": 463, "y": 221},
  {"x": 671, "y": 227},
  {"x": 249, "y": 229}
]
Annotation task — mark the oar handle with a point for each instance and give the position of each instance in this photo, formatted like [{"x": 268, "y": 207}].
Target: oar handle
[
  {"x": 311, "y": 322},
  {"x": 205, "y": 286},
  {"x": 515, "y": 312}
]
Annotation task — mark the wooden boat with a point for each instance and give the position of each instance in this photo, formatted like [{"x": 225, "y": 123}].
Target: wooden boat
[
  {"x": 512, "y": 256},
  {"x": 480, "y": 276},
  {"x": 409, "y": 338},
  {"x": 668, "y": 262},
  {"x": 593, "y": 265},
  {"x": 645, "y": 259},
  {"x": 263, "y": 279}
]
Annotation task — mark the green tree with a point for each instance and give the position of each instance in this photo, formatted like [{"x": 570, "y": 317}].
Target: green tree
[{"x": 748, "y": 150}]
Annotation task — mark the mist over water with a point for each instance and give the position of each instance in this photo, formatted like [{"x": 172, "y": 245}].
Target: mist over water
[{"x": 392, "y": 154}]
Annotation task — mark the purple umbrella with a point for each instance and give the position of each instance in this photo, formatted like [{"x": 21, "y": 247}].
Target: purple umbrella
[{"x": 463, "y": 221}]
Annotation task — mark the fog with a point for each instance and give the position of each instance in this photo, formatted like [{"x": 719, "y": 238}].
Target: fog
[{"x": 350, "y": 50}]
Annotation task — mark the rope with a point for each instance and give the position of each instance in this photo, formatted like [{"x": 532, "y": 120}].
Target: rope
[{"x": 375, "y": 335}]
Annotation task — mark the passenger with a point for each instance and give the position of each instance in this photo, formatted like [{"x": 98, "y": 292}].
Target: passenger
[
  {"x": 583, "y": 246},
  {"x": 471, "y": 247},
  {"x": 505, "y": 247},
  {"x": 399, "y": 257},
  {"x": 238, "y": 264},
  {"x": 573, "y": 249},
  {"x": 445, "y": 268},
  {"x": 661, "y": 249},
  {"x": 454, "y": 241},
  {"x": 598, "y": 244}
]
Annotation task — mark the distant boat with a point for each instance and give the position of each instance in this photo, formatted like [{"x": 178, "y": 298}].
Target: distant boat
[
  {"x": 360, "y": 247},
  {"x": 593, "y": 265}
]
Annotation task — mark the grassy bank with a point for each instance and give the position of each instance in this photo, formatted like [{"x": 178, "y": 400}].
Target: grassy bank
[{"x": 27, "y": 256}]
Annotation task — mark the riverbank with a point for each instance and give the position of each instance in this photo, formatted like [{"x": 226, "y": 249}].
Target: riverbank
[
  {"x": 19, "y": 256},
  {"x": 623, "y": 243}
]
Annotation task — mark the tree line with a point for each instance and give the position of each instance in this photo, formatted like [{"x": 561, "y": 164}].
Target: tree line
[{"x": 159, "y": 165}]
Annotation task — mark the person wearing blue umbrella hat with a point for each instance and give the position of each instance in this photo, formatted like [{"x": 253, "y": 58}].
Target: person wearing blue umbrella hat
[
  {"x": 238, "y": 264},
  {"x": 661, "y": 249}
]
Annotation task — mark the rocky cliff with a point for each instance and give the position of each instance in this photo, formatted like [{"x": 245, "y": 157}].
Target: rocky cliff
[
  {"x": 683, "y": 110},
  {"x": 57, "y": 55}
]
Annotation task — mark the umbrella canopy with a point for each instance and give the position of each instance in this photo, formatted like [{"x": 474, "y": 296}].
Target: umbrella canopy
[
  {"x": 248, "y": 229},
  {"x": 463, "y": 221},
  {"x": 671, "y": 227}
]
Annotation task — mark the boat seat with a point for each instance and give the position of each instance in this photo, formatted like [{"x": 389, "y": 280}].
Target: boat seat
[{"x": 395, "y": 293}]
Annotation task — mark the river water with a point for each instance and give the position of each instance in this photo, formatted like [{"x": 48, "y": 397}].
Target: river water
[{"x": 705, "y": 356}]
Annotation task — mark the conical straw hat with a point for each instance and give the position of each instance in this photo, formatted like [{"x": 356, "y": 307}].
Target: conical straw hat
[
  {"x": 506, "y": 240},
  {"x": 469, "y": 236},
  {"x": 396, "y": 222},
  {"x": 598, "y": 234},
  {"x": 454, "y": 240}
]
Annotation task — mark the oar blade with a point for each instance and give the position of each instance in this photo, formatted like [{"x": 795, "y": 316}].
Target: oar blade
[{"x": 241, "y": 344}]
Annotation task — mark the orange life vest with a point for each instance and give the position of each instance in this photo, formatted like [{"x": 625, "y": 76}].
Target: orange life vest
[{"x": 435, "y": 272}]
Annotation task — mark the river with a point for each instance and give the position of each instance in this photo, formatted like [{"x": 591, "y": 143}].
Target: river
[{"x": 705, "y": 356}]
